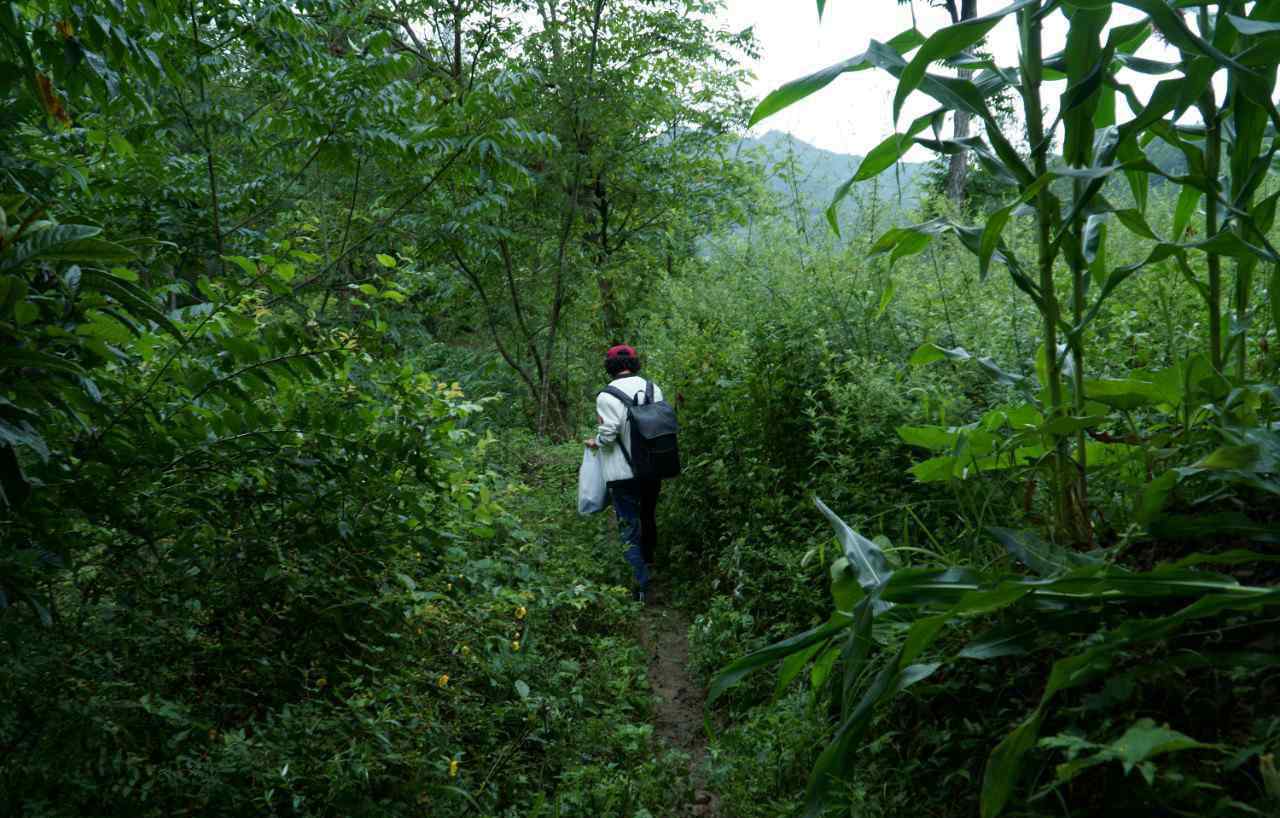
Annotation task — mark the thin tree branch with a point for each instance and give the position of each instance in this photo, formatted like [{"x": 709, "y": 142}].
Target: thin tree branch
[
  {"x": 257, "y": 365},
  {"x": 288, "y": 184},
  {"x": 493, "y": 321},
  {"x": 508, "y": 266},
  {"x": 208, "y": 138},
  {"x": 346, "y": 230},
  {"x": 383, "y": 223}
]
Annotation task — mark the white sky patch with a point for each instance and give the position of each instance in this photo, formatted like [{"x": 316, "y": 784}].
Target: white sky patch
[{"x": 854, "y": 113}]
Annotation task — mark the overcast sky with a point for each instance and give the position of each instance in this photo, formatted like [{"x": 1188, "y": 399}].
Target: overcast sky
[{"x": 854, "y": 113}]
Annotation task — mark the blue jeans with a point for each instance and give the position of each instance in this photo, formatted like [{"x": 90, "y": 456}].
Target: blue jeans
[{"x": 634, "y": 502}]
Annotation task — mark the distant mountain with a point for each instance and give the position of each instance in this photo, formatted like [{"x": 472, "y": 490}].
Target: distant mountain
[{"x": 795, "y": 166}]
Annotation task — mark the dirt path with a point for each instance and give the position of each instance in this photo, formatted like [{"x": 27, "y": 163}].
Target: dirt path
[{"x": 664, "y": 635}]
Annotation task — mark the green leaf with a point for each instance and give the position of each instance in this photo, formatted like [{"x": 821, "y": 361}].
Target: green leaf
[
  {"x": 1069, "y": 425},
  {"x": 24, "y": 312},
  {"x": 1273, "y": 295},
  {"x": 250, "y": 268},
  {"x": 975, "y": 145},
  {"x": 90, "y": 251},
  {"x": 934, "y": 587},
  {"x": 23, "y": 434},
  {"x": 14, "y": 486},
  {"x": 1095, "y": 247},
  {"x": 1228, "y": 243},
  {"x": 1124, "y": 393},
  {"x": 1003, "y": 640},
  {"x": 1154, "y": 497},
  {"x": 100, "y": 325},
  {"x": 733, "y": 673},
  {"x": 797, "y": 90},
  {"x": 43, "y": 243},
  {"x": 887, "y": 296},
  {"x": 386, "y": 260},
  {"x": 928, "y": 353},
  {"x": 1086, "y": 69},
  {"x": 130, "y": 296},
  {"x": 121, "y": 146},
  {"x": 16, "y": 358},
  {"x": 1003, "y": 765},
  {"x": 822, "y": 668},
  {"x": 1146, "y": 740},
  {"x": 1193, "y": 527},
  {"x": 1188, "y": 200},
  {"x": 1245, "y": 458},
  {"x": 879, "y": 159},
  {"x": 892, "y": 678},
  {"x": 866, "y": 559},
  {"x": 946, "y": 43},
  {"x": 935, "y": 469},
  {"x": 793, "y": 664},
  {"x": 1136, "y": 222},
  {"x": 990, "y": 242},
  {"x": 933, "y": 438},
  {"x": 911, "y": 244},
  {"x": 1045, "y": 558},
  {"x": 1170, "y": 23},
  {"x": 1244, "y": 25}
]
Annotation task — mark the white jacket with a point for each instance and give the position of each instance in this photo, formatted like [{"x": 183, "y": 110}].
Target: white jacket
[{"x": 612, "y": 415}]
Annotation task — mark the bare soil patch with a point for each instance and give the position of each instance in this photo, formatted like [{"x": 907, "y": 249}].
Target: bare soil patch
[{"x": 677, "y": 720}]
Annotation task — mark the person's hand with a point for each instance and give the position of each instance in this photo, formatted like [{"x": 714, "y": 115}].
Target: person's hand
[{"x": 591, "y": 443}]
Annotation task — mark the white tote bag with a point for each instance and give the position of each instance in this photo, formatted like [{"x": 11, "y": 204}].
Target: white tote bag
[{"x": 592, "y": 491}]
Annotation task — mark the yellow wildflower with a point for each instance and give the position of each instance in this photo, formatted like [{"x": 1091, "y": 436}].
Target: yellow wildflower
[
  {"x": 515, "y": 645},
  {"x": 453, "y": 768},
  {"x": 521, "y": 612},
  {"x": 443, "y": 681},
  {"x": 466, "y": 651}
]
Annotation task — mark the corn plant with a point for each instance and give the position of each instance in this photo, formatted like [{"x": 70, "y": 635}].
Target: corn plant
[
  {"x": 1071, "y": 199},
  {"x": 932, "y": 602},
  {"x": 1099, "y": 182}
]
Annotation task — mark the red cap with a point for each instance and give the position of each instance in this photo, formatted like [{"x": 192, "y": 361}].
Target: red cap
[{"x": 621, "y": 351}]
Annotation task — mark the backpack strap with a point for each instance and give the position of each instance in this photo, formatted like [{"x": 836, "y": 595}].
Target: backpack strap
[
  {"x": 648, "y": 391},
  {"x": 627, "y": 403},
  {"x": 620, "y": 395}
]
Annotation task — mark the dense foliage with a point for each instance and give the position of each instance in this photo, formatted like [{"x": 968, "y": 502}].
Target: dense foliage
[
  {"x": 272, "y": 542},
  {"x": 1133, "y": 484}
]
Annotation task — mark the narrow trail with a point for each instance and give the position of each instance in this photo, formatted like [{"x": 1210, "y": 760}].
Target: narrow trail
[{"x": 677, "y": 720}]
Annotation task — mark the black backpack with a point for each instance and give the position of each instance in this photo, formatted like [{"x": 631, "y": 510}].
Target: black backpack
[{"x": 654, "y": 454}]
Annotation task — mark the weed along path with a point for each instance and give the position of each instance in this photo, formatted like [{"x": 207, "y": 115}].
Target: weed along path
[{"x": 677, "y": 720}]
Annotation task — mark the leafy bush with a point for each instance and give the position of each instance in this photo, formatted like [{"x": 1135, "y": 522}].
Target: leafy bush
[{"x": 258, "y": 566}]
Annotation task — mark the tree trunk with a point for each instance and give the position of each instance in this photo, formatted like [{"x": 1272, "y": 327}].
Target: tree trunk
[
  {"x": 457, "y": 43},
  {"x": 958, "y": 172}
]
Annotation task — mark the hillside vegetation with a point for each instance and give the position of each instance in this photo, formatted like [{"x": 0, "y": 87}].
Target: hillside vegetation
[{"x": 302, "y": 312}]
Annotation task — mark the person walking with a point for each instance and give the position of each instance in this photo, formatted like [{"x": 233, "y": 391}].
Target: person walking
[{"x": 635, "y": 500}]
